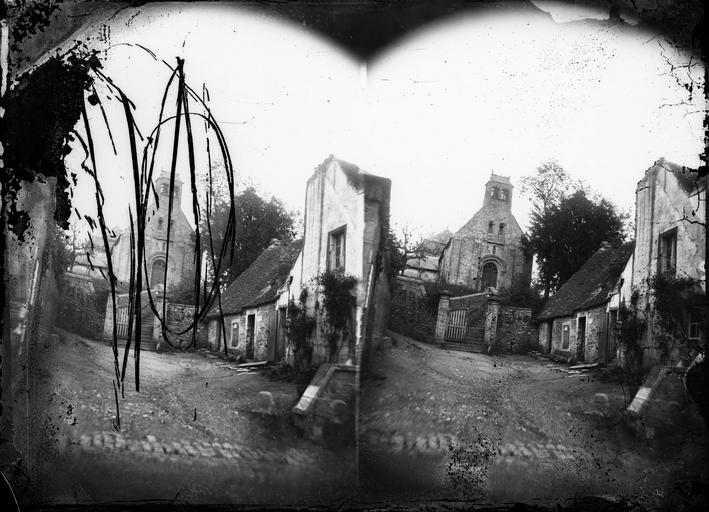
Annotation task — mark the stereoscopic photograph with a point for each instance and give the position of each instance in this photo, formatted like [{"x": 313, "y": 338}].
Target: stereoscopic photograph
[{"x": 354, "y": 254}]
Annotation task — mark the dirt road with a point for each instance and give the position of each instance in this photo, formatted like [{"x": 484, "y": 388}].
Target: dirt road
[
  {"x": 441, "y": 424},
  {"x": 196, "y": 432}
]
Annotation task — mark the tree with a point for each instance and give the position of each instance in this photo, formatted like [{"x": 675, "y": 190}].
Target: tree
[
  {"x": 402, "y": 247},
  {"x": 548, "y": 187},
  {"x": 257, "y": 222},
  {"x": 564, "y": 234},
  {"x": 521, "y": 294}
]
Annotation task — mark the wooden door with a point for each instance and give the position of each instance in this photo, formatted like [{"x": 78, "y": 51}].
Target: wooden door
[
  {"x": 603, "y": 340},
  {"x": 250, "y": 325},
  {"x": 581, "y": 339},
  {"x": 281, "y": 335},
  {"x": 612, "y": 335},
  {"x": 272, "y": 346}
]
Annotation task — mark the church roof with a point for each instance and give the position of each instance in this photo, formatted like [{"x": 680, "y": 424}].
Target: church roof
[
  {"x": 591, "y": 284},
  {"x": 259, "y": 283}
]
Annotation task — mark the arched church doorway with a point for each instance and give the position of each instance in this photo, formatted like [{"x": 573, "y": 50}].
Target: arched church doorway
[
  {"x": 157, "y": 273},
  {"x": 489, "y": 275}
]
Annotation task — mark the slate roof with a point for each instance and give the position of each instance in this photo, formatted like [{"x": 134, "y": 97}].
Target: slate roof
[
  {"x": 98, "y": 259},
  {"x": 454, "y": 290},
  {"x": 591, "y": 284},
  {"x": 425, "y": 263},
  {"x": 258, "y": 284}
]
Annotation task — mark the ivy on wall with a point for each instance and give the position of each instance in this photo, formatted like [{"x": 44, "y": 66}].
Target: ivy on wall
[
  {"x": 673, "y": 299},
  {"x": 299, "y": 328},
  {"x": 339, "y": 302}
]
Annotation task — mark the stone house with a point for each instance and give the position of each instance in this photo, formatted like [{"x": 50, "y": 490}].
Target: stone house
[
  {"x": 346, "y": 220},
  {"x": 182, "y": 250},
  {"x": 423, "y": 268},
  {"x": 86, "y": 288},
  {"x": 424, "y": 265},
  {"x": 487, "y": 251},
  {"x": 250, "y": 321},
  {"x": 579, "y": 320},
  {"x": 670, "y": 234}
]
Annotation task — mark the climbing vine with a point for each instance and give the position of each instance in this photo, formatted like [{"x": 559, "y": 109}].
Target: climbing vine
[
  {"x": 300, "y": 327},
  {"x": 339, "y": 303},
  {"x": 673, "y": 299},
  {"x": 631, "y": 326}
]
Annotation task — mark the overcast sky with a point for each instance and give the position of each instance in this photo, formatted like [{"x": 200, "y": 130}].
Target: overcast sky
[{"x": 436, "y": 113}]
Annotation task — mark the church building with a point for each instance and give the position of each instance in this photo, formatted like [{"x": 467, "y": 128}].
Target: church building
[
  {"x": 487, "y": 252},
  {"x": 180, "y": 260}
]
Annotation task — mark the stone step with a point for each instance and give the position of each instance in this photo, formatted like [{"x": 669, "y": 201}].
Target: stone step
[
  {"x": 479, "y": 348},
  {"x": 474, "y": 336},
  {"x": 150, "y": 346}
]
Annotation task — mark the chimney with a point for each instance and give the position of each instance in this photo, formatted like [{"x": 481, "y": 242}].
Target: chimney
[{"x": 284, "y": 261}]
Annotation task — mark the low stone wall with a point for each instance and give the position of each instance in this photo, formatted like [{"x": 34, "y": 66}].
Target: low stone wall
[
  {"x": 662, "y": 406},
  {"x": 515, "y": 332},
  {"x": 328, "y": 403},
  {"x": 178, "y": 318},
  {"x": 413, "y": 315},
  {"x": 81, "y": 309},
  {"x": 469, "y": 302}
]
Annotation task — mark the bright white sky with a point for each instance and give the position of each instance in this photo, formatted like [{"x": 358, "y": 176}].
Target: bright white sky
[{"x": 436, "y": 113}]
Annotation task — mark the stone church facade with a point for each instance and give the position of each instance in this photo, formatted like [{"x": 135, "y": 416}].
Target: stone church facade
[
  {"x": 487, "y": 252},
  {"x": 180, "y": 260}
]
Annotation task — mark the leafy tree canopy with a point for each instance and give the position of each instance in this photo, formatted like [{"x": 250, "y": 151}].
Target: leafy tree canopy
[
  {"x": 403, "y": 245},
  {"x": 257, "y": 221},
  {"x": 567, "y": 228}
]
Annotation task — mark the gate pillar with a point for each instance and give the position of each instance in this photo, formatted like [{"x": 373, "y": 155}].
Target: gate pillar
[{"x": 442, "y": 319}]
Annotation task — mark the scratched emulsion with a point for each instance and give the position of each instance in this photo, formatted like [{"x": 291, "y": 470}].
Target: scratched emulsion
[{"x": 39, "y": 120}]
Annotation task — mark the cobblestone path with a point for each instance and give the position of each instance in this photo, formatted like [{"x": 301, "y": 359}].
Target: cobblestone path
[
  {"x": 184, "y": 449},
  {"x": 437, "y": 445}
]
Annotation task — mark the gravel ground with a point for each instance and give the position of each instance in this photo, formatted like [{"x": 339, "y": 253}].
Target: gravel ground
[
  {"x": 438, "y": 424},
  {"x": 196, "y": 432}
]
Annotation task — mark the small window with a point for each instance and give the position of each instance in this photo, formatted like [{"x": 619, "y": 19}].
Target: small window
[
  {"x": 502, "y": 229},
  {"x": 503, "y": 194},
  {"x": 667, "y": 257},
  {"x": 494, "y": 192},
  {"x": 490, "y": 227},
  {"x": 163, "y": 189},
  {"x": 160, "y": 221},
  {"x": 694, "y": 327},
  {"x": 336, "y": 250},
  {"x": 565, "y": 336},
  {"x": 234, "y": 334},
  {"x": 694, "y": 331}
]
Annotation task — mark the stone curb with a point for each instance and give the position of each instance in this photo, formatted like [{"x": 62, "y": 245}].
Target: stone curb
[
  {"x": 438, "y": 444},
  {"x": 184, "y": 449}
]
